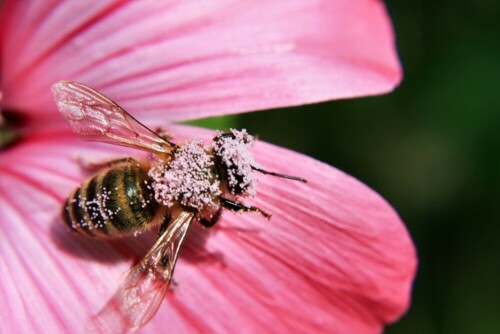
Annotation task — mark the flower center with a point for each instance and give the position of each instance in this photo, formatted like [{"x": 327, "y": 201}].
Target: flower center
[{"x": 8, "y": 133}]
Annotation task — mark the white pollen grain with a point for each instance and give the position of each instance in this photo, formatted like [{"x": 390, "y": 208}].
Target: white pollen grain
[
  {"x": 189, "y": 178},
  {"x": 236, "y": 156}
]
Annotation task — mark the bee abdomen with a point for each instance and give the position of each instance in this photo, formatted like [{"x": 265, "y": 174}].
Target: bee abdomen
[{"x": 114, "y": 203}]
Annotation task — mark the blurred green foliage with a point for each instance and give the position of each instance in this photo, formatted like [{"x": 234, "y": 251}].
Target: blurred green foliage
[{"x": 431, "y": 148}]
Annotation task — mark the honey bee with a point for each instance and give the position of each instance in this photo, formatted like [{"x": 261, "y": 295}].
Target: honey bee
[{"x": 178, "y": 184}]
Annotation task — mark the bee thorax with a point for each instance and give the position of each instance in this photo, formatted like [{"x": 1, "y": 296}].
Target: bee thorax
[{"x": 189, "y": 178}]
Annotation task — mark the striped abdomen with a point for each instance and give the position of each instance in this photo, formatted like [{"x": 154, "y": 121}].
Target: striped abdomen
[{"x": 114, "y": 203}]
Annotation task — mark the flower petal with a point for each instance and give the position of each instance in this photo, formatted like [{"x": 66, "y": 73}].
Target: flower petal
[
  {"x": 47, "y": 280},
  {"x": 334, "y": 257},
  {"x": 193, "y": 59}
]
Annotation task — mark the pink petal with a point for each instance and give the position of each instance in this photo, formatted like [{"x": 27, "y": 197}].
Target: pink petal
[
  {"x": 47, "y": 281},
  {"x": 334, "y": 257},
  {"x": 192, "y": 59}
]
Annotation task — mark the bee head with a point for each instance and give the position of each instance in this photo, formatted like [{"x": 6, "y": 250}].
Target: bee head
[{"x": 236, "y": 162}]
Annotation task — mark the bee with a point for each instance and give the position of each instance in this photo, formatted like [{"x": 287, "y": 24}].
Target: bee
[{"x": 178, "y": 184}]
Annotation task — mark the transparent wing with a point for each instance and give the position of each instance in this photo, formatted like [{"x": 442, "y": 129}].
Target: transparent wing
[
  {"x": 145, "y": 285},
  {"x": 92, "y": 114}
]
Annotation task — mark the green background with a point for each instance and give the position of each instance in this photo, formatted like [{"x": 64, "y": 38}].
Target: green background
[{"x": 431, "y": 149}]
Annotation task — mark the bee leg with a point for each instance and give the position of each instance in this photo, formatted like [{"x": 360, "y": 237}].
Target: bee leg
[
  {"x": 164, "y": 133},
  {"x": 96, "y": 166},
  {"x": 239, "y": 207},
  {"x": 212, "y": 221}
]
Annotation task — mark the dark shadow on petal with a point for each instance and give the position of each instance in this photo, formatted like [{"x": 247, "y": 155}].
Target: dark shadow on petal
[
  {"x": 100, "y": 250},
  {"x": 118, "y": 250},
  {"x": 194, "y": 249}
]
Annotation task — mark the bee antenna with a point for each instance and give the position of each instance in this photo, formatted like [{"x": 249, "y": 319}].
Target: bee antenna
[{"x": 290, "y": 177}]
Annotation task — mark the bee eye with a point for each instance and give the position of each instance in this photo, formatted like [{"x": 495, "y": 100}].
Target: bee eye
[{"x": 238, "y": 186}]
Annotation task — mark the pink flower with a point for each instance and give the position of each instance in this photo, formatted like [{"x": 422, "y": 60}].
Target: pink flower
[{"x": 335, "y": 257}]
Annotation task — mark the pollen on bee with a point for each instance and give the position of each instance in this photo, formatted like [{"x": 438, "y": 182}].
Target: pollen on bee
[
  {"x": 236, "y": 156},
  {"x": 189, "y": 178}
]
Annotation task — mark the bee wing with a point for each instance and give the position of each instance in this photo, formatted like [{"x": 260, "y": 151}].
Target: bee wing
[
  {"x": 145, "y": 284},
  {"x": 92, "y": 114}
]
